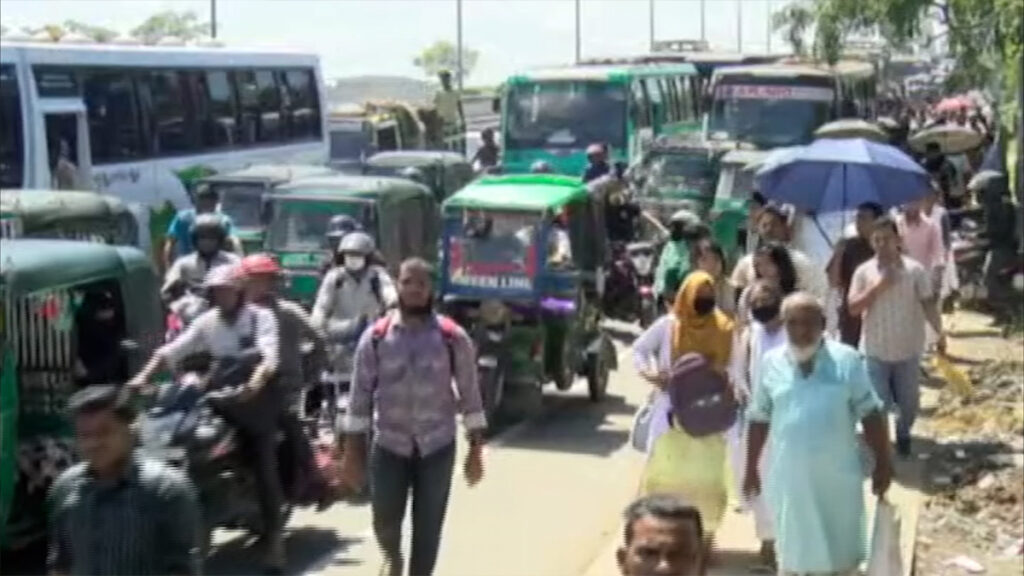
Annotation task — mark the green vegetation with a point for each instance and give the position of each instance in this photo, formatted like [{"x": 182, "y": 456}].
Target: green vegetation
[{"x": 443, "y": 55}]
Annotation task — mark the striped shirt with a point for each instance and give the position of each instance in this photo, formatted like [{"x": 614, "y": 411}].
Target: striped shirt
[{"x": 146, "y": 522}]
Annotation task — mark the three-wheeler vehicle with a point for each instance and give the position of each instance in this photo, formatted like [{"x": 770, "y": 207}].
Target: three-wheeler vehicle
[
  {"x": 732, "y": 194},
  {"x": 241, "y": 195},
  {"x": 522, "y": 259},
  {"x": 67, "y": 214},
  {"x": 443, "y": 172},
  {"x": 399, "y": 214},
  {"x": 50, "y": 292}
]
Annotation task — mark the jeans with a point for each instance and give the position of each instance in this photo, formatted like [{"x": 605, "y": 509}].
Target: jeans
[
  {"x": 262, "y": 452},
  {"x": 898, "y": 385},
  {"x": 430, "y": 478}
]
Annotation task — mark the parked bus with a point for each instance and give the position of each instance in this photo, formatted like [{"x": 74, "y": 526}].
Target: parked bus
[
  {"x": 143, "y": 123},
  {"x": 783, "y": 104},
  {"x": 553, "y": 114}
]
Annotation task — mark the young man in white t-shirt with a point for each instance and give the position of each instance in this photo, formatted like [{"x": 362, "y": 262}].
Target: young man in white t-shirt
[{"x": 894, "y": 295}]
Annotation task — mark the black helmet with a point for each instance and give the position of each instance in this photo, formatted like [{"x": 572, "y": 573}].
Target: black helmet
[
  {"x": 206, "y": 191},
  {"x": 209, "y": 225},
  {"x": 342, "y": 224}
]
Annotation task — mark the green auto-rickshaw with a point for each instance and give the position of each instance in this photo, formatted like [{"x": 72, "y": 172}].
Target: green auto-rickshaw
[
  {"x": 443, "y": 172},
  {"x": 675, "y": 175},
  {"x": 399, "y": 214},
  {"x": 521, "y": 270},
  {"x": 48, "y": 291},
  {"x": 732, "y": 194},
  {"x": 68, "y": 214},
  {"x": 241, "y": 195}
]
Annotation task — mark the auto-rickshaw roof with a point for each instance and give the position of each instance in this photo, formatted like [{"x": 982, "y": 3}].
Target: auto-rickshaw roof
[
  {"x": 274, "y": 173},
  {"x": 744, "y": 157},
  {"x": 415, "y": 158},
  {"x": 519, "y": 192},
  {"x": 34, "y": 265},
  {"x": 370, "y": 187},
  {"x": 38, "y": 208}
]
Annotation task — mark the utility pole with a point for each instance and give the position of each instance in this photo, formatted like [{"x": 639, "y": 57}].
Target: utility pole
[
  {"x": 213, "y": 18},
  {"x": 703, "y": 27},
  {"x": 650, "y": 31},
  {"x": 458, "y": 42},
  {"x": 739, "y": 26},
  {"x": 578, "y": 41}
]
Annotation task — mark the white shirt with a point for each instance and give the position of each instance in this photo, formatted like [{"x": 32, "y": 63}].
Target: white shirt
[
  {"x": 211, "y": 333},
  {"x": 810, "y": 276},
  {"x": 192, "y": 269},
  {"x": 343, "y": 298},
  {"x": 808, "y": 237},
  {"x": 894, "y": 325}
]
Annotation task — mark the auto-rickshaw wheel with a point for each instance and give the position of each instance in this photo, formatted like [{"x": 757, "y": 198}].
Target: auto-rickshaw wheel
[
  {"x": 597, "y": 377},
  {"x": 492, "y": 390}
]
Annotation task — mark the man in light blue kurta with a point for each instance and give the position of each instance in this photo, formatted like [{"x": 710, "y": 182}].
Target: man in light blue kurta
[{"x": 812, "y": 394}]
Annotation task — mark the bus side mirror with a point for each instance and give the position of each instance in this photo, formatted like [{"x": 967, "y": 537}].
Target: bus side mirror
[
  {"x": 266, "y": 211},
  {"x": 496, "y": 105}
]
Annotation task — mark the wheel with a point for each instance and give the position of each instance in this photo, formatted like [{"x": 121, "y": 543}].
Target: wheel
[
  {"x": 565, "y": 372},
  {"x": 647, "y": 312},
  {"x": 492, "y": 390},
  {"x": 597, "y": 377}
]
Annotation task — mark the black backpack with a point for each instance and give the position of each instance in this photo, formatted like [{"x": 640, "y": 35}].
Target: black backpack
[{"x": 375, "y": 287}]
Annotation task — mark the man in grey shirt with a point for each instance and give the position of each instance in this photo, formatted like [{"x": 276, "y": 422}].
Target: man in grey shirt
[{"x": 117, "y": 512}]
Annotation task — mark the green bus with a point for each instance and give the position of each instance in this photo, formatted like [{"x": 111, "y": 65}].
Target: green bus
[{"x": 554, "y": 114}]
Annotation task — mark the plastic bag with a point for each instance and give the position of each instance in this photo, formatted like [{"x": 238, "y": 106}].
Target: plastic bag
[
  {"x": 953, "y": 376},
  {"x": 886, "y": 557},
  {"x": 671, "y": 469}
]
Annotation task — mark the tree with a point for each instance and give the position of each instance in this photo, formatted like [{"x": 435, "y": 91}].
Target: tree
[
  {"x": 184, "y": 25},
  {"x": 443, "y": 55},
  {"x": 97, "y": 33}
]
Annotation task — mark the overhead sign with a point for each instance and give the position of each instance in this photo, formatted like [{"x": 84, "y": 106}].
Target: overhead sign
[{"x": 768, "y": 92}]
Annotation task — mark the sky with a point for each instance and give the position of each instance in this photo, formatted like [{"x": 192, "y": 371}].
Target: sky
[{"x": 381, "y": 37}]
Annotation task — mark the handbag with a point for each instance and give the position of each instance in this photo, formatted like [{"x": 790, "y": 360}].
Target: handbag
[
  {"x": 702, "y": 403},
  {"x": 886, "y": 557}
]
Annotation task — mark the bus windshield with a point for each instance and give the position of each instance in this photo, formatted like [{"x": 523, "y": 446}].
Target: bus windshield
[
  {"x": 243, "y": 202},
  {"x": 566, "y": 115},
  {"x": 494, "y": 244},
  {"x": 681, "y": 169},
  {"x": 302, "y": 225},
  {"x": 769, "y": 116}
]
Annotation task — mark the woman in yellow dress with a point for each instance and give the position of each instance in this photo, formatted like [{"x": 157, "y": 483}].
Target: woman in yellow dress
[{"x": 694, "y": 468}]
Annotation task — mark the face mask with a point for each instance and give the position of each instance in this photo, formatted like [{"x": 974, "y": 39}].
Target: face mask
[
  {"x": 766, "y": 313},
  {"x": 804, "y": 354},
  {"x": 354, "y": 263},
  {"x": 704, "y": 306}
]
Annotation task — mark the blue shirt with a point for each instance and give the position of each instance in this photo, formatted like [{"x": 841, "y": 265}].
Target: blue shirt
[
  {"x": 181, "y": 228},
  {"x": 814, "y": 477}
]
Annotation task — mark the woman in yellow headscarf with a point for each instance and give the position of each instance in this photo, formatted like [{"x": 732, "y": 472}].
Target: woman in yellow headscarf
[{"x": 695, "y": 468}]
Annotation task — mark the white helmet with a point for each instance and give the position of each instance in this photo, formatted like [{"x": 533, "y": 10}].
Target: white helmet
[
  {"x": 357, "y": 243},
  {"x": 224, "y": 276}
]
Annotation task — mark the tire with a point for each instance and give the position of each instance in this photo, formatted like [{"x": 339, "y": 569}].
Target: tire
[
  {"x": 492, "y": 390},
  {"x": 597, "y": 377}
]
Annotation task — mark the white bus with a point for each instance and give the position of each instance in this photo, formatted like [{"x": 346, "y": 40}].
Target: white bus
[{"x": 143, "y": 123}]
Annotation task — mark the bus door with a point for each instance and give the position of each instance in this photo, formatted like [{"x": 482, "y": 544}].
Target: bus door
[{"x": 65, "y": 145}]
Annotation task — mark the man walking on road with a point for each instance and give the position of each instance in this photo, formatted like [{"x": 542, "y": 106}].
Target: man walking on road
[
  {"x": 116, "y": 512},
  {"x": 404, "y": 367},
  {"x": 893, "y": 294},
  {"x": 663, "y": 537}
]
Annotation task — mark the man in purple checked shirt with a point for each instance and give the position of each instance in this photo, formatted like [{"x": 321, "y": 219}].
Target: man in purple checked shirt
[{"x": 404, "y": 366}]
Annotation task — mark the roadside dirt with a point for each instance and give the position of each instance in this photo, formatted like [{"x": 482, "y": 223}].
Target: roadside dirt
[{"x": 973, "y": 450}]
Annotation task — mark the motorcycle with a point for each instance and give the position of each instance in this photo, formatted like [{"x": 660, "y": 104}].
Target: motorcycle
[{"x": 642, "y": 256}]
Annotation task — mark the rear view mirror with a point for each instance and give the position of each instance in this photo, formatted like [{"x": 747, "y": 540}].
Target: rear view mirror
[
  {"x": 496, "y": 105},
  {"x": 266, "y": 211}
]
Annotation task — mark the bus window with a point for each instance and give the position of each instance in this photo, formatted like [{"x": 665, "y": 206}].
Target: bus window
[
  {"x": 565, "y": 115},
  {"x": 657, "y": 103},
  {"x": 219, "y": 118},
  {"x": 270, "y": 106},
  {"x": 12, "y": 149},
  {"x": 305, "y": 113},
  {"x": 688, "y": 98},
  {"x": 170, "y": 115},
  {"x": 641, "y": 110},
  {"x": 113, "y": 112}
]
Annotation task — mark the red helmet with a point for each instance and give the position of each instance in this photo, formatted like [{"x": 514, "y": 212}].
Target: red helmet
[{"x": 260, "y": 264}]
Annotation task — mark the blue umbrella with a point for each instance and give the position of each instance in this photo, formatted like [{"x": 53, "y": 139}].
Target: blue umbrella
[{"x": 836, "y": 175}]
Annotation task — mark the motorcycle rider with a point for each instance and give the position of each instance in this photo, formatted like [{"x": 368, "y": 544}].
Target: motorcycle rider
[
  {"x": 685, "y": 229},
  {"x": 351, "y": 297},
  {"x": 178, "y": 242},
  {"x": 226, "y": 332},
  {"x": 209, "y": 236},
  {"x": 338, "y": 227},
  {"x": 295, "y": 332}
]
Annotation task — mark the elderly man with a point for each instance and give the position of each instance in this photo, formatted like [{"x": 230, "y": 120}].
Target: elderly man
[
  {"x": 812, "y": 393},
  {"x": 663, "y": 536}
]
